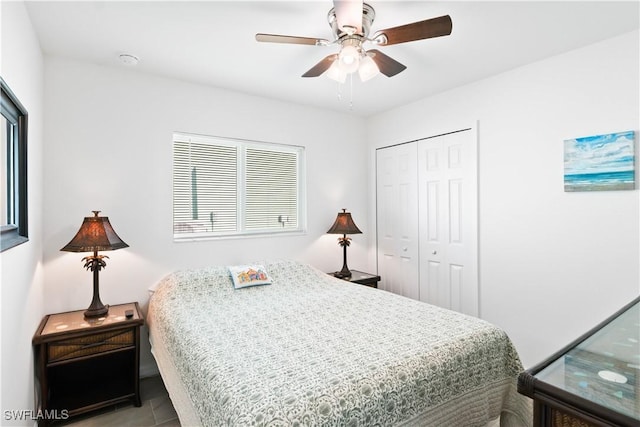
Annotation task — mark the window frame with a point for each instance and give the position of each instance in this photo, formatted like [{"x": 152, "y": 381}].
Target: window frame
[
  {"x": 15, "y": 231},
  {"x": 241, "y": 192}
]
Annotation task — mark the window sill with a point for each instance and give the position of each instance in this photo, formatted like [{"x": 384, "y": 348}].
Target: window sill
[{"x": 10, "y": 237}]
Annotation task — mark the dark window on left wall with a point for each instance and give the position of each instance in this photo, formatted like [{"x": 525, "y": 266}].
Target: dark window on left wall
[{"x": 13, "y": 155}]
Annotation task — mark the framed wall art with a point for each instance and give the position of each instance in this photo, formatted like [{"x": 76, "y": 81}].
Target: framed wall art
[{"x": 600, "y": 162}]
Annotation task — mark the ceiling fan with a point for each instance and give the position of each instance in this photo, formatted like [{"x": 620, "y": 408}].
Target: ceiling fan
[{"x": 350, "y": 22}]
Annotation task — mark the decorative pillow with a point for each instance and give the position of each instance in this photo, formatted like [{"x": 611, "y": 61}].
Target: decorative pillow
[{"x": 249, "y": 275}]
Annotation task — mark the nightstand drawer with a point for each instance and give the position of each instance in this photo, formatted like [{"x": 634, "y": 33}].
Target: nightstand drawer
[{"x": 90, "y": 344}]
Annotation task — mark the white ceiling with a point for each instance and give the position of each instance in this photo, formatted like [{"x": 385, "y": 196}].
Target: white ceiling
[{"x": 212, "y": 42}]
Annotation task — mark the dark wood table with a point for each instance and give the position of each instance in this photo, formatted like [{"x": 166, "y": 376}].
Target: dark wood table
[
  {"x": 361, "y": 278},
  {"x": 82, "y": 364}
]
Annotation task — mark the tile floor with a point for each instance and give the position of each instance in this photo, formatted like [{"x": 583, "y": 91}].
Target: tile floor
[{"x": 156, "y": 410}]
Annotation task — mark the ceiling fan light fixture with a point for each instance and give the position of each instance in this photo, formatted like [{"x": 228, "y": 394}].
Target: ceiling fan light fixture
[
  {"x": 336, "y": 73},
  {"x": 368, "y": 68},
  {"x": 349, "y": 59}
]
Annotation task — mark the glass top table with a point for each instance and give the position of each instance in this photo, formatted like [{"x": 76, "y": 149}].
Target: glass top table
[{"x": 597, "y": 376}]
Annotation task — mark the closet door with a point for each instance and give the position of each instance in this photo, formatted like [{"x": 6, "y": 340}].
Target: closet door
[
  {"x": 397, "y": 219},
  {"x": 448, "y": 205}
]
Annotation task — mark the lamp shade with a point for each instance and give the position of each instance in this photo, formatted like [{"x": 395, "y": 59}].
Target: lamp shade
[
  {"x": 368, "y": 68},
  {"x": 95, "y": 234},
  {"x": 336, "y": 73},
  {"x": 344, "y": 224},
  {"x": 349, "y": 59}
]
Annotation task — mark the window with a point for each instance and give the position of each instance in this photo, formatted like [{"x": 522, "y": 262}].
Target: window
[
  {"x": 230, "y": 187},
  {"x": 13, "y": 155}
]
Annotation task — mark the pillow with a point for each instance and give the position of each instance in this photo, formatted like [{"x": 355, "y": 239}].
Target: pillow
[{"x": 249, "y": 275}]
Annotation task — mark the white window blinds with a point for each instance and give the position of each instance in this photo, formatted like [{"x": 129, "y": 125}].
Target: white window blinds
[
  {"x": 271, "y": 189},
  {"x": 232, "y": 187}
]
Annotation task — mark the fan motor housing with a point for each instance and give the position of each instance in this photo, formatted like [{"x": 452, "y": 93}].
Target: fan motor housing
[{"x": 368, "y": 15}]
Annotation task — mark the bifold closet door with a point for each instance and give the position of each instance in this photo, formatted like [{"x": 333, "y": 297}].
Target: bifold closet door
[
  {"x": 448, "y": 206},
  {"x": 397, "y": 219}
]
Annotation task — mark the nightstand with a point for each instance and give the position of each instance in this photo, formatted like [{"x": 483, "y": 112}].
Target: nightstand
[
  {"x": 86, "y": 364},
  {"x": 362, "y": 278}
]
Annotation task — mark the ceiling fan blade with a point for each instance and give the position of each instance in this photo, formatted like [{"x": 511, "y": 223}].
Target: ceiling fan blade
[
  {"x": 387, "y": 65},
  {"x": 276, "y": 38},
  {"x": 321, "y": 66},
  {"x": 435, "y": 27},
  {"x": 349, "y": 14}
]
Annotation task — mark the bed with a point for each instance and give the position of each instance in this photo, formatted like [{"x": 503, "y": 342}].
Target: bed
[{"x": 312, "y": 350}]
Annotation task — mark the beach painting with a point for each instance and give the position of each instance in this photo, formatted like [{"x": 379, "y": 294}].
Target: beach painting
[{"x": 600, "y": 163}]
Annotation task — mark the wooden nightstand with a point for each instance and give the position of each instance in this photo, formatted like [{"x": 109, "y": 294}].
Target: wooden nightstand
[
  {"x": 82, "y": 365},
  {"x": 362, "y": 278}
]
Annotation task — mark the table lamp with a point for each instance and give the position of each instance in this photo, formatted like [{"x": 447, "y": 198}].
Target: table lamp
[
  {"x": 95, "y": 234},
  {"x": 344, "y": 225}
]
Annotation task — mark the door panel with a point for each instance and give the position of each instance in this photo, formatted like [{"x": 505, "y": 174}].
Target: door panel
[
  {"x": 456, "y": 280},
  {"x": 432, "y": 230},
  {"x": 397, "y": 221},
  {"x": 455, "y": 214},
  {"x": 447, "y": 193}
]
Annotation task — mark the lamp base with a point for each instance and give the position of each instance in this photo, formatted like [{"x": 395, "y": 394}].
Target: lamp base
[
  {"x": 96, "y": 308},
  {"x": 342, "y": 274},
  {"x": 93, "y": 312}
]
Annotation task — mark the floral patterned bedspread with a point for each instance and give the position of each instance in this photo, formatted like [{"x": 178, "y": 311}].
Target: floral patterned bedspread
[{"x": 312, "y": 350}]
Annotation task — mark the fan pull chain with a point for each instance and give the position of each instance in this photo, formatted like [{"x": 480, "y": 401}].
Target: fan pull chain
[
  {"x": 340, "y": 86},
  {"x": 351, "y": 92}
]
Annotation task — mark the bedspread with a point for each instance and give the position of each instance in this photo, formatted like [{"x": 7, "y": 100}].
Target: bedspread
[{"x": 312, "y": 350}]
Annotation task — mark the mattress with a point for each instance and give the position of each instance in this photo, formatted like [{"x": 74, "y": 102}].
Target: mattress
[{"x": 309, "y": 349}]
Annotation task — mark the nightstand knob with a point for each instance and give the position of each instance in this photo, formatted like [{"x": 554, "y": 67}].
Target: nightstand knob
[
  {"x": 434, "y": 252},
  {"x": 405, "y": 249}
]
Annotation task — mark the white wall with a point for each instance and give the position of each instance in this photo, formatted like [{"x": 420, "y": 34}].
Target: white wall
[
  {"x": 552, "y": 264},
  {"x": 109, "y": 148},
  {"x": 21, "y": 294}
]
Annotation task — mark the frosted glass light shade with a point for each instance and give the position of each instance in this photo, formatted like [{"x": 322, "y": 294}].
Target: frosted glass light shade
[
  {"x": 349, "y": 58},
  {"x": 336, "y": 73},
  {"x": 368, "y": 68}
]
